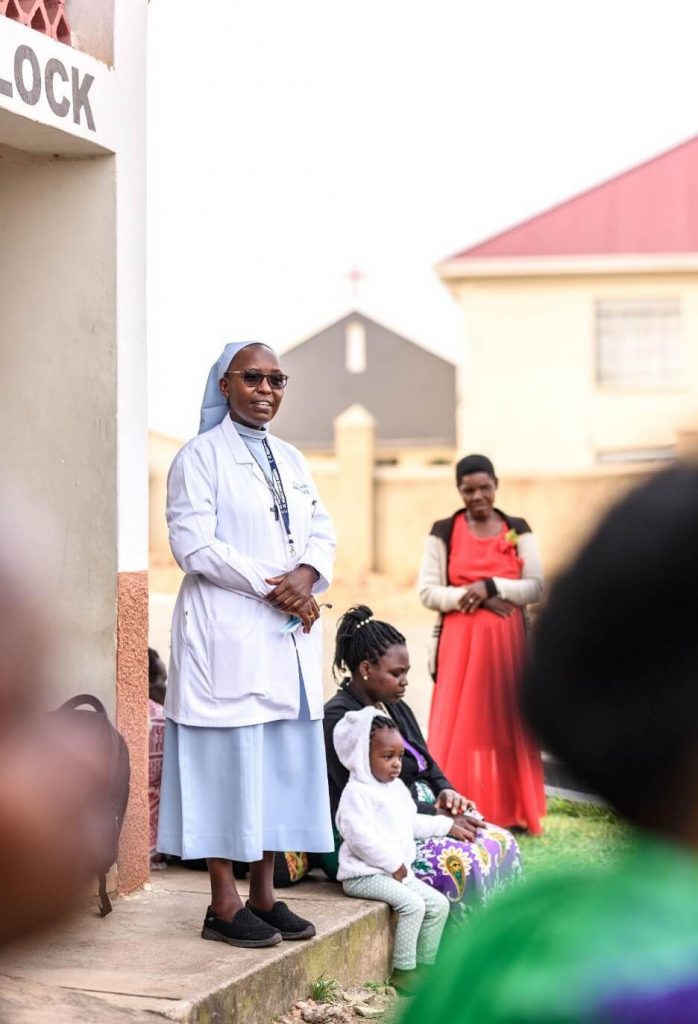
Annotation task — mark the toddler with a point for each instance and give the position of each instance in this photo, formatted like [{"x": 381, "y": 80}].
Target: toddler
[{"x": 378, "y": 821}]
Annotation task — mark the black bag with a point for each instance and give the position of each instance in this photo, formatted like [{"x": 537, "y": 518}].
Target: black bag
[{"x": 110, "y": 745}]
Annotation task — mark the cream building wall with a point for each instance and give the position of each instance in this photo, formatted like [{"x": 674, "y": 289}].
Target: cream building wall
[{"x": 529, "y": 394}]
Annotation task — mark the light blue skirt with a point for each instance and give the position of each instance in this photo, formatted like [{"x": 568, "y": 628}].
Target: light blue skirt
[{"x": 236, "y": 792}]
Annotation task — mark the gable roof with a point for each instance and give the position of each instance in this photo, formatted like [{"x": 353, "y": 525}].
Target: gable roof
[
  {"x": 651, "y": 208},
  {"x": 370, "y": 325},
  {"x": 409, "y": 391}
]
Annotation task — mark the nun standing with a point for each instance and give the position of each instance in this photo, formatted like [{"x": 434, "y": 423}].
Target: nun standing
[{"x": 244, "y": 760}]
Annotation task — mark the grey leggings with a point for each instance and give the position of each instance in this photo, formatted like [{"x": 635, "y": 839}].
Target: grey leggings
[{"x": 422, "y": 913}]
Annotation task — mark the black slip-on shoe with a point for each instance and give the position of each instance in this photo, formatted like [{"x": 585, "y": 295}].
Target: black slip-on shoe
[
  {"x": 245, "y": 929},
  {"x": 291, "y": 926}
]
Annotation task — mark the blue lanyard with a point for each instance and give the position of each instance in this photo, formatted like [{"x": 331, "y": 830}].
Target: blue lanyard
[{"x": 278, "y": 490}]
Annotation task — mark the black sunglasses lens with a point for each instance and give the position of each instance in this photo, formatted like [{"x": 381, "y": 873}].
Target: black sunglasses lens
[{"x": 252, "y": 377}]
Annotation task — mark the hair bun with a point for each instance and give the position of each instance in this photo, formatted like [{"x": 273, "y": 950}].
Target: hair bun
[
  {"x": 359, "y": 613},
  {"x": 355, "y": 643},
  {"x": 359, "y": 616}
]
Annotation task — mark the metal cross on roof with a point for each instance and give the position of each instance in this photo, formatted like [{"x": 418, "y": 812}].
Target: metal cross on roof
[{"x": 355, "y": 277}]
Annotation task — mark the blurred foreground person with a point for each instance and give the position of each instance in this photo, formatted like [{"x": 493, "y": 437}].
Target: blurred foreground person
[
  {"x": 49, "y": 786},
  {"x": 613, "y": 691}
]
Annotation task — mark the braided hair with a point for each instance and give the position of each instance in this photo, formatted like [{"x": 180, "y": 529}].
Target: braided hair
[
  {"x": 361, "y": 637},
  {"x": 378, "y": 723}
]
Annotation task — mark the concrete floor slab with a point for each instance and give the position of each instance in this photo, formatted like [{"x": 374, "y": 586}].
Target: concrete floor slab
[
  {"x": 148, "y": 956},
  {"x": 28, "y": 1002}
]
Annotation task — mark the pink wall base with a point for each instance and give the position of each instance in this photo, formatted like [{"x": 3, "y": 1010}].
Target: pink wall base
[{"x": 132, "y": 722}]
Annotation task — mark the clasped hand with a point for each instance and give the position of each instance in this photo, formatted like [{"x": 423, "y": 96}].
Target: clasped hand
[
  {"x": 457, "y": 806},
  {"x": 476, "y": 597},
  {"x": 292, "y": 593},
  {"x": 450, "y": 802}
]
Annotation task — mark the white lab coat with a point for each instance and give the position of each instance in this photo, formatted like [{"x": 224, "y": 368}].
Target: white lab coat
[{"x": 230, "y": 664}]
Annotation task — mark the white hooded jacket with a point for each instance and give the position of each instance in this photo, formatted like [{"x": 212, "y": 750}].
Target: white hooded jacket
[{"x": 378, "y": 821}]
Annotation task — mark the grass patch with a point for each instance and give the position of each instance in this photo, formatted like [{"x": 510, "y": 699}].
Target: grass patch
[
  {"x": 581, "y": 809},
  {"x": 326, "y": 990},
  {"x": 579, "y": 832}
]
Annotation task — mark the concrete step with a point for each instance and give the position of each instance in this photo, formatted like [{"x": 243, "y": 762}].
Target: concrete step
[
  {"x": 148, "y": 958},
  {"x": 559, "y": 781}
]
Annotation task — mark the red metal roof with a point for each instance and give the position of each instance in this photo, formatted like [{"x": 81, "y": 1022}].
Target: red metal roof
[{"x": 652, "y": 208}]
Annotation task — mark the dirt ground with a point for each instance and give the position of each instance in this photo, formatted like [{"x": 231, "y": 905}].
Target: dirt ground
[{"x": 333, "y": 1005}]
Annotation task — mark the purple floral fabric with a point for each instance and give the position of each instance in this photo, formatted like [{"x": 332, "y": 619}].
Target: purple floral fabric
[{"x": 468, "y": 874}]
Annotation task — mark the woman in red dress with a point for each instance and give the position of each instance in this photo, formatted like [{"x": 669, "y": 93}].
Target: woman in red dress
[{"x": 480, "y": 569}]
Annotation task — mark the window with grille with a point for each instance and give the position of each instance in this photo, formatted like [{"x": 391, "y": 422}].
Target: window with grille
[{"x": 638, "y": 343}]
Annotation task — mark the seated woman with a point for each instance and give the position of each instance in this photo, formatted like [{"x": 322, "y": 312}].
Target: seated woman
[
  {"x": 373, "y": 658},
  {"x": 612, "y": 691}
]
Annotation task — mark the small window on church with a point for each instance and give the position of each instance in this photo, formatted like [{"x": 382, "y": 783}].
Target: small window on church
[{"x": 356, "y": 347}]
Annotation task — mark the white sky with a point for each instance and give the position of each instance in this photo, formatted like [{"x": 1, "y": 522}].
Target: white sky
[{"x": 290, "y": 140}]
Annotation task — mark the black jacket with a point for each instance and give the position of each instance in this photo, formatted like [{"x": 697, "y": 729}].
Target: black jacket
[{"x": 336, "y": 708}]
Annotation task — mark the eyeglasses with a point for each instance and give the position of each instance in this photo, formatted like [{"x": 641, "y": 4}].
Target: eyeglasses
[{"x": 253, "y": 378}]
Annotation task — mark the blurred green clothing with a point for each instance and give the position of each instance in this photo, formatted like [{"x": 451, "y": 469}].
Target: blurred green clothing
[{"x": 609, "y": 944}]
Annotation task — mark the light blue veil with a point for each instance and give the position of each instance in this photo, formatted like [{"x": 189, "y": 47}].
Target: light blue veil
[{"x": 214, "y": 406}]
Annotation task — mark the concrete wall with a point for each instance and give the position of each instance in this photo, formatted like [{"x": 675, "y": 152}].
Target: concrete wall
[
  {"x": 382, "y": 514},
  {"x": 58, "y": 387},
  {"x": 132, "y": 433},
  {"x": 530, "y": 399},
  {"x": 161, "y": 451},
  {"x": 407, "y": 502},
  {"x": 72, "y": 351},
  {"x": 91, "y": 23},
  {"x": 561, "y": 510}
]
